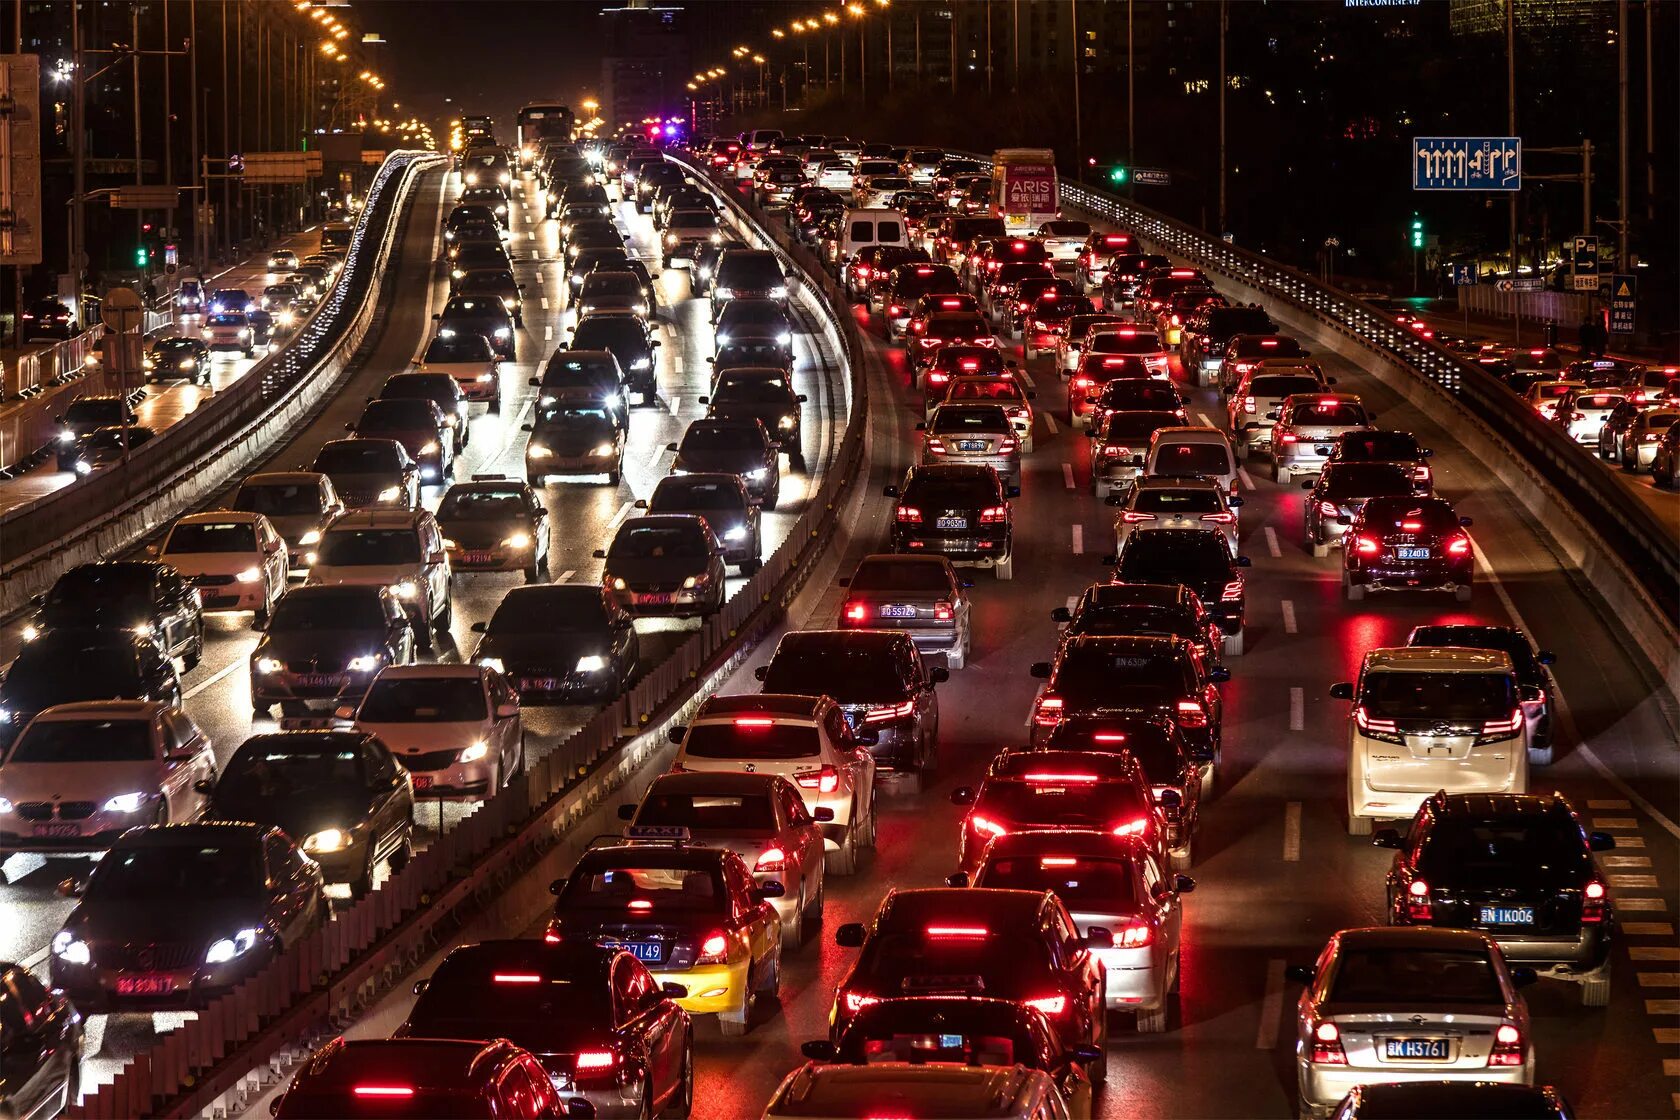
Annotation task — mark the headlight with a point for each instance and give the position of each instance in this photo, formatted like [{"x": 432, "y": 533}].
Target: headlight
[
  {"x": 313, "y": 536},
  {"x": 473, "y": 753},
  {"x": 640, "y": 363},
  {"x": 187, "y": 363},
  {"x": 407, "y": 589},
  {"x": 670, "y": 239},
  {"x": 717, "y": 239},
  {"x": 484, "y": 378},
  {"x": 268, "y": 665},
  {"x": 309, "y": 558},
  {"x": 619, "y": 584},
  {"x": 502, "y": 332},
  {"x": 5, "y": 806},
  {"x": 778, "y": 292},
  {"x": 390, "y": 493},
  {"x": 518, "y": 540},
  {"x": 640, "y": 308},
  {"x": 738, "y": 533},
  {"x": 144, "y": 630},
  {"x": 125, "y": 803},
  {"x": 69, "y": 949},
  {"x": 692, "y": 582},
  {"x": 366, "y": 663},
  {"x": 326, "y": 840},
  {"x": 785, "y": 423},
  {"x": 30, "y": 633},
  {"x": 723, "y": 340},
  {"x": 66, "y": 436},
  {"x": 249, "y": 575},
  {"x": 705, "y": 272},
  {"x": 83, "y": 467},
  {"x": 591, "y": 663},
  {"x": 491, "y": 663},
  {"x": 537, "y": 451},
  {"x": 755, "y": 475},
  {"x": 429, "y": 448},
  {"x": 207, "y": 334},
  {"x": 605, "y": 449},
  {"x": 784, "y": 339},
  {"x": 227, "y": 948}
]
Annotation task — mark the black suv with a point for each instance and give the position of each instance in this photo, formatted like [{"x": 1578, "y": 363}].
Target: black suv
[
  {"x": 560, "y": 643},
  {"x": 739, "y": 447},
  {"x": 142, "y": 597},
  {"x": 1200, "y": 560},
  {"x": 1516, "y": 867},
  {"x": 1159, "y": 610},
  {"x": 487, "y": 316},
  {"x": 83, "y": 417},
  {"x": 629, "y": 340},
  {"x": 959, "y": 511},
  {"x": 1206, "y": 334}
]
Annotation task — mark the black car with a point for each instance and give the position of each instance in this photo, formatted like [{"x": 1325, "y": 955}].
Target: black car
[
  {"x": 560, "y": 643},
  {"x": 740, "y": 447},
  {"x": 728, "y": 509},
  {"x": 40, "y": 1046},
  {"x": 758, "y": 319},
  {"x": 226, "y": 301},
  {"x": 1206, "y": 334},
  {"x": 573, "y": 436},
  {"x": 604, "y": 1029},
  {"x": 106, "y": 447},
  {"x": 1157, "y": 610},
  {"x": 958, "y": 510},
  {"x": 177, "y": 915},
  {"x": 495, "y": 524},
  {"x": 327, "y": 643},
  {"x": 370, "y": 472},
  {"x": 1516, "y": 867},
  {"x": 878, "y": 679},
  {"x": 1401, "y": 448},
  {"x": 1533, "y": 669},
  {"x": 760, "y": 394},
  {"x": 629, "y": 340},
  {"x": 591, "y": 374},
  {"x": 1200, "y": 560},
  {"x": 178, "y": 357},
  {"x": 748, "y": 273},
  {"x": 48, "y": 318},
  {"x": 1341, "y": 490},
  {"x": 470, "y": 256},
  {"x": 746, "y": 353},
  {"x": 1408, "y": 543},
  {"x": 1170, "y": 762},
  {"x": 83, "y": 417},
  {"x": 141, "y": 597},
  {"x": 440, "y": 388},
  {"x": 1405, "y": 1100},
  {"x": 494, "y": 283},
  {"x": 340, "y": 793},
  {"x": 479, "y": 315},
  {"x": 70, "y": 666},
  {"x": 704, "y": 265},
  {"x": 587, "y": 261}
]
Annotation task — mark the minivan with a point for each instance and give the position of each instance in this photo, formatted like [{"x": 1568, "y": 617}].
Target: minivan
[{"x": 863, "y": 228}]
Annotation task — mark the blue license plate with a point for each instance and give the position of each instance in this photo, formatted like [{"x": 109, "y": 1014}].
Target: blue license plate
[
  {"x": 1507, "y": 916},
  {"x": 1412, "y": 553},
  {"x": 971, "y": 445},
  {"x": 897, "y": 610},
  {"x": 1415, "y": 1049},
  {"x": 647, "y": 951},
  {"x": 951, "y": 523}
]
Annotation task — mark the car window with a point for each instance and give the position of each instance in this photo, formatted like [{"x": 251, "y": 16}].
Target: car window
[
  {"x": 1379, "y": 975},
  {"x": 179, "y": 731}
]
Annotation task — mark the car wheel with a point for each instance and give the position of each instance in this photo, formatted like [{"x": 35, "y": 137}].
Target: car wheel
[
  {"x": 1005, "y": 568},
  {"x": 1358, "y": 826},
  {"x": 751, "y": 567},
  {"x": 734, "y": 1024},
  {"x": 772, "y": 497},
  {"x": 683, "y": 1105},
  {"x": 868, "y": 840},
  {"x": 1240, "y": 450},
  {"x": 261, "y": 711},
  {"x": 195, "y": 652},
  {"x": 1180, "y": 858},
  {"x": 495, "y": 404},
  {"x": 1595, "y": 987},
  {"x": 793, "y": 926},
  {"x": 1355, "y": 592},
  {"x": 1319, "y": 550},
  {"x": 614, "y": 477},
  {"x": 1280, "y": 474},
  {"x": 362, "y": 884},
  {"x": 843, "y": 860},
  {"x": 1463, "y": 592},
  {"x": 533, "y": 572},
  {"x": 1234, "y": 644}
]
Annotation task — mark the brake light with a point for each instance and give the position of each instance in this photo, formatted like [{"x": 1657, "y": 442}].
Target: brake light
[
  {"x": 996, "y": 515},
  {"x": 935, "y": 446},
  {"x": 1025, "y": 306},
  {"x": 1233, "y": 590},
  {"x": 1287, "y": 437},
  {"x": 889, "y": 712},
  {"x": 771, "y": 859},
  {"x": 641, "y": 905},
  {"x": 1222, "y": 518},
  {"x": 1046, "y": 777},
  {"x": 857, "y": 1001},
  {"x": 957, "y": 931},
  {"x": 1131, "y": 516},
  {"x": 1507, "y": 1046},
  {"x": 385, "y": 1092},
  {"x": 713, "y": 950},
  {"x": 1008, "y": 443},
  {"x": 856, "y": 612},
  {"x": 1115, "y": 451},
  {"x": 895, "y": 309},
  {"x": 1368, "y": 724},
  {"x": 1083, "y": 383},
  {"x": 1366, "y": 545},
  {"x": 1411, "y": 526},
  {"x": 1459, "y": 546},
  {"x": 938, "y": 377},
  {"x": 942, "y": 611},
  {"x": 1050, "y": 1005},
  {"x": 1327, "y": 1046},
  {"x": 1592, "y": 902},
  {"x": 1058, "y": 861},
  {"x": 862, "y": 271},
  {"x": 1048, "y": 712},
  {"x": 1248, "y": 403},
  {"x": 826, "y": 780},
  {"x": 516, "y": 978},
  {"x": 909, "y": 515},
  {"x": 753, "y": 721},
  {"x": 1134, "y": 935},
  {"x": 550, "y": 937},
  {"x": 1192, "y": 714},
  {"x": 1138, "y": 826},
  {"x": 1495, "y": 729},
  {"x": 1109, "y": 737},
  {"x": 985, "y": 826},
  {"x": 1419, "y": 908},
  {"x": 1176, "y": 321},
  {"x": 596, "y": 1060}
]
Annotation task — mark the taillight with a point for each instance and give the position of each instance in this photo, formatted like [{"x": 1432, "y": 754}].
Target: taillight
[
  {"x": 1132, "y": 516},
  {"x": 1421, "y": 474},
  {"x": 550, "y": 937},
  {"x": 1048, "y": 711},
  {"x": 826, "y": 780},
  {"x": 1008, "y": 443},
  {"x": 856, "y": 612},
  {"x": 935, "y": 446},
  {"x": 1134, "y": 935},
  {"x": 888, "y": 712},
  {"x": 985, "y": 826},
  {"x": 594, "y": 1061},
  {"x": 943, "y": 611},
  {"x": 1233, "y": 590},
  {"x": 1287, "y": 437},
  {"x": 1495, "y": 729},
  {"x": 856, "y": 1001},
  {"x": 996, "y": 515},
  {"x": 383, "y": 1092},
  {"x": 909, "y": 515},
  {"x": 938, "y": 377},
  {"x": 1221, "y": 518},
  {"x": 1082, "y": 383},
  {"x": 1327, "y": 1046},
  {"x": 1248, "y": 403},
  {"x": 1192, "y": 714},
  {"x": 1025, "y": 306},
  {"x": 1137, "y": 826},
  {"x": 713, "y": 950},
  {"x": 1592, "y": 902},
  {"x": 771, "y": 859},
  {"x": 1050, "y": 1005},
  {"x": 1507, "y": 1046},
  {"x": 895, "y": 309},
  {"x": 1385, "y": 729},
  {"x": 1459, "y": 546},
  {"x": 1366, "y": 545},
  {"x": 1328, "y": 509},
  {"x": 1419, "y": 908}
]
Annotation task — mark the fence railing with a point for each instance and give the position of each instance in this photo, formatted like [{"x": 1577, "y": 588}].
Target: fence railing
[{"x": 1566, "y": 309}]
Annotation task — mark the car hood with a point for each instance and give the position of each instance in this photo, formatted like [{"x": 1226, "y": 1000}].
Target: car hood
[
  {"x": 476, "y": 534},
  {"x": 322, "y": 645},
  {"x": 366, "y": 480},
  {"x": 297, "y": 817},
  {"x": 174, "y": 918},
  {"x": 77, "y": 781},
  {"x": 419, "y": 738},
  {"x": 575, "y": 440},
  {"x": 360, "y": 575},
  {"x": 557, "y": 650},
  {"x": 638, "y": 569},
  {"x": 727, "y": 460},
  {"x": 211, "y": 563}
]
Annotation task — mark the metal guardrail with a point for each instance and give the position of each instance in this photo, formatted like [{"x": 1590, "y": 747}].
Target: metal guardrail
[{"x": 321, "y": 982}]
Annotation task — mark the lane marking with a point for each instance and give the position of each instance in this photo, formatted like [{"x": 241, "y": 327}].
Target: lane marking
[
  {"x": 1662, "y": 1007},
  {"x": 545, "y": 303},
  {"x": 1658, "y": 979},
  {"x": 1078, "y": 539},
  {"x": 1625, "y": 861},
  {"x": 1292, "y": 832},
  {"x": 1648, "y": 929},
  {"x": 1643, "y": 905},
  {"x": 1666, "y": 1036},
  {"x": 1067, "y": 474},
  {"x": 1630, "y": 841},
  {"x": 1050, "y": 422},
  {"x": 1654, "y": 952},
  {"x": 1632, "y": 880},
  {"x": 1604, "y": 824},
  {"x": 1026, "y": 378},
  {"x": 1607, "y": 803},
  {"x": 1072, "y": 601},
  {"x": 1272, "y": 543},
  {"x": 618, "y": 518},
  {"x": 225, "y": 671},
  {"x": 565, "y": 576},
  {"x": 1203, "y": 417},
  {"x": 548, "y": 332},
  {"x": 1271, "y": 1006},
  {"x": 1297, "y": 709},
  {"x": 676, "y": 405},
  {"x": 539, "y": 278},
  {"x": 1242, "y": 473},
  {"x": 1288, "y": 617}
]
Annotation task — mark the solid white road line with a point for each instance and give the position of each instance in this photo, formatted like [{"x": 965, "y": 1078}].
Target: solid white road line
[
  {"x": 1297, "y": 709},
  {"x": 548, "y": 332},
  {"x": 1288, "y": 617},
  {"x": 1050, "y": 422},
  {"x": 676, "y": 405},
  {"x": 1078, "y": 540},
  {"x": 1242, "y": 473},
  {"x": 210, "y": 680},
  {"x": 1067, "y": 474},
  {"x": 1292, "y": 832},
  {"x": 1272, "y": 543},
  {"x": 1271, "y": 1006},
  {"x": 565, "y": 576}
]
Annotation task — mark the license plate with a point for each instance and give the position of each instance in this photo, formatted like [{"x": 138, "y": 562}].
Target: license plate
[
  {"x": 52, "y": 831},
  {"x": 482, "y": 556},
  {"x": 319, "y": 680},
  {"x": 422, "y": 781},
  {"x": 656, "y": 598},
  {"x": 897, "y": 610},
  {"x": 951, "y": 523},
  {"x": 1415, "y": 1049},
  {"x": 540, "y": 684},
  {"x": 1507, "y": 915},
  {"x": 642, "y": 950},
  {"x": 145, "y": 984},
  {"x": 1404, "y": 553},
  {"x": 971, "y": 445}
]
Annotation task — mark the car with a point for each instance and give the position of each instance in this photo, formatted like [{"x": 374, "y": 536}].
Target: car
[
  {"x": 368, "y": 1078},
  {"x": 804, "y": 738},
  {"x": 237, "y": 561},
  {"x": 1583, "y": 412},
  {"x": 946, "y": 328},
  {"x": 1398, "y": 1099},
  {"x": 1119, "y": 442},
  {"x": 1340, "y": 492},
  {"x": 1172, "y": 502},
  {"x": 455, "y": 728},
  {"x": 1000, "y": 389},
  {"x": 748, "y": 273},
  {"x": 1246, "y": 353},
  {"x": 1665, "y": 462},
  {"x": 1092, "y": 258},
  {"x": 79, "y": 775},
  {"x": 177, "y": 915},
  {"x": 1070, "y": 343},
  {"x": 340, "y": 792},
  {"x": 1047, "y": 325},
  {"x": 723, "y": 501},
  {"x": 1179, "y": 778},
  {"x": 1096, "y": 372},
  {"x": 736, "y": 445},
  {"x": 139, "y": 597},
  {"x": 1408, "y": 1005},
  {"x": 584, "y": 376},
  {"x": 1305, "y": 427},
  {"x": 48, "y": 318},
  {"x": 1132, "y": 341},
  {"x": 229, "y": 330},
  {"x": 1191, "y": 451},
  {"x": 957, "y": 510},
  {"x": 1544, "y": 395},
  {"x": 685, "y": 231},
  {"x": 664, "y": 564},
  {"x": 931, "y": 1089},
  {"x": 629, "y": 340},
  {"x": 759, "y": 816},
  {"x": 1460, "y": 707},
  {"x": 178, "y": 356},
  {"x": 1165, "y": 610},
  {"x": 400, "y": 549},
  {"x": 921, "y": 595},
  {"x": 693, "y": 915},
  {"x": 973, "y": 434},
  {"x": 1207, "y": 334},
  {"x": 1199, "y": 559},
  {"x": 369, "y": 473},
  {"x": 1124, "y": 275},
  {"x": 84, "y": 416},
  {"x": 1399, "y": 448},
  {"x": 960, "y": 361},
  {"x": 189, "y": 296},
  {"x": 230, "y": 300},
  {"x": 1259, "y": 394},
  {"x": 706, "y": 258},
  {"x": 495, "y": 524},
  {"x": 764, "y": 395},
  {"x": 480, "y": 315},
  {"x": 611, "y": 290},
  {"x": 908, "y": 290},
  {"x": 324, "y": 644},
  {"x": 1642, "y": 438},
  {"x": 885, "y": 691},
  {"x": 1018, "y": 945},
  {"x": 66, "y": 666},
  {"x": 106, "y": 447},
  {"x": 754, "y": 318},
  {"x": 1408, "y": 543},
  {"x": 1135, "y": 394},
  {"x": 43, "y": 1077},
  {"x": 556, "y": 643},
  {"x": 575, "y": 434},
  {"x": 440, "y": 389},
  {"x": 1616, "y": 424},
  {"x": 297, "y": 504},
  {"x": 1537, "y": 688}
]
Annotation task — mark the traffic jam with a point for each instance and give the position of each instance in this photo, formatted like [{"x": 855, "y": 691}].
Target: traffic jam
[{"x": 1032, "y": 360}]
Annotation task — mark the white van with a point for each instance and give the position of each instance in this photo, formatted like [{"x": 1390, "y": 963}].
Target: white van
[
  {"x": 864, "y": 228},
  {"x": 762, "y": 139},
  {"x": 1190, "y": 452}
]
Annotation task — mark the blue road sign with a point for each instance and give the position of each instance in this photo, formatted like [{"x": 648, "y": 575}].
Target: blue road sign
[
  {"x": 1464, "y": 275},
  {"x": 1466, "y": 163}
]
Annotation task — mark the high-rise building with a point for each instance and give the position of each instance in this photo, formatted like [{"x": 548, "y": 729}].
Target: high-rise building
[{"x": 645, "y": 67}]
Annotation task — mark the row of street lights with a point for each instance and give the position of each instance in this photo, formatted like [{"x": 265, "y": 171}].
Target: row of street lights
[{"x": 803, "y": 30}]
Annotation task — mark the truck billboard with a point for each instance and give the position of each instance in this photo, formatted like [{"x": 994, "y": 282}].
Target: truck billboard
[{"x": 1024, "y": 191}]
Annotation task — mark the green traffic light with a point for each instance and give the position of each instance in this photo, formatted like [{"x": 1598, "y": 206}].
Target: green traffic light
[
  {"x": 1118, "y": 175},
  {"x": 142, "y": 256}
]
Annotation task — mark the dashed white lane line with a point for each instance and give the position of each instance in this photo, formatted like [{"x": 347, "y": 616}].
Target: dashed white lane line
[
  {"x": 1654, "y": 952},
  {"x": 1203, "y": 417},
  {"x": 1242, "y": 473},
  {"x": 1642, "y": 905},
  {"x": 545, "y": 303},
  {"x": 676, "y": 405},
  {"x": 1078, "y": 539},
  {"x": 539, "y": 279},
  {"x": 1645, "y": 929},
  {"x": 1288, "y": 617},
  {"x": 1292, "y": 832},
  {"x": 565, "y": 576},
  {"x": 212, "y": 679},
  {"x": 1025, "y": 378},
  {"x": 1297, "y": 709},
  {"x": 1272, "y": 543},
  {"x": 1658, "y": 979},
  {"x": 618, "y": 518},
  {"x": 1050, "y": 422},
  {"x": 1627, "y": 881},
  {"x": 1067, "y": 474},
  {"x": 1271, "y": 1006},
  {"x": 548, "y": 332}
]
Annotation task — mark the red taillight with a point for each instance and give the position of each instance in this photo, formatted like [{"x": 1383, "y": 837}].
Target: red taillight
[
  {"x": 943, "y": 611},
  {"x": 996, "y": 515},
  {"x": 1192, "y": 714},
  {"x": 1248, "y": 403},
  {"x": 1287, "y": 437},
  {"x": 1082, "y": 383},
  {"x": 713, "y": 950},
  {"x": 1134, "y": 935},
  {"x": 1048, "y": 712},
  {"x": 771, "y": 859},
  {"x": 895, "y": 309},
  {"x": 937, "y": 377},
  {"x": 1507, "y": 1046},
  {"x": 1131, "y": 516},
  {"x": 856, "y": 612},
  {"x": 1592, "y": 902},
  {"x": 550, "y": 937},
  {"x": 1221, "y": 518},
  {"x": 1137, "y": 826},
  {"x": 1365, "y": 722},
  {"x": 987, "y": 827},
  {"x": 1233, "y": 590},
  {"x": 1050, "y": 1005},
  {"x": 1499, "y": 728},
  {"x": 1459, "y": 546},
  {"x": 1025, "y": 306},
  {"x": 935, "y": 446},
  {"x": 1411, "y": 526},
  {"x": 1419, "y": 908},
  {"x": 1366, "y": 545},
  {"x": 383, "y": 1092},
  {"x": 595, "y": 1060},
  {"x": 754, "y": 722},
  {"x": 516, "y": 978},
  {"x": 826, "y": 780},
  {"x": 1327, "y": 1046},
  {"x": 958, "y": 931},
  {"x": 1328, "y": 509},
  {"x": 856, "y": 1001},
  {"x": 862, "y": 271},
  {"x": 1052, "y": 778},
  {"x": 887, "y": 712},
  {"x": 909, "y": 515},
  {"x": 1008, "y": 443}
]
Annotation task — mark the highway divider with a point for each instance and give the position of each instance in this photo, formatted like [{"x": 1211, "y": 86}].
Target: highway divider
[
  {"x": 112, "y": 509},
  {"x": 316, "y": 986}
]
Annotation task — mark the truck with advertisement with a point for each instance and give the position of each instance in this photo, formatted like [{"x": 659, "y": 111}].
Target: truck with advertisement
[{"x": 1024, "y": 192}]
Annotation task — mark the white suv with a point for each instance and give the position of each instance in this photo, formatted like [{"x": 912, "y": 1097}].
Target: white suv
[
  {"x": 236, "y": 560},
  {"x": 806, "y": 740},
  {"x": 1431, "y": 719},
  {"x": 399, "y": 548}
]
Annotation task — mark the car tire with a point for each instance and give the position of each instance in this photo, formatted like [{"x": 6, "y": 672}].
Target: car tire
[
  {"x": 362, "y": 885},
  {"x": 1319, "y": 551},
  {"x": 1595, "y": 987},
  {"x": 261, "y": 711},
  {"x": 843, "y": 860},
  {"x": 772, "y": 498},
  {"x": 533, "y": 572},
  {"x": 1234, "y": 644},
  {"x": 614, "y": 477},
  {"x": 793, "y": 927},
  {"x": 1280, "y": 474},
  {"x": 1358, "y": 826},
  {"x": 735, "y": 1024},
  {"x": 195, "y": 652},
  {"x": 1240, "y": 450},
  {"x": 751, "y": 567},
  {"x": 1354, "y": 592},
  {"x": 404, "y": 851},
  {"x": 1541, "y": 756},
  {"x": 1179, "y": 859},
  {"x": 1463, "y": 592},
  {"x": 1005, "y": 569}
]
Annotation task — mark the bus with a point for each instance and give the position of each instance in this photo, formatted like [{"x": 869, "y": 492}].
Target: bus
[
  {"x": 539, "y": 122},
  {"x": 479, "y": 129},
  {"x": 1024, "y": 189}
]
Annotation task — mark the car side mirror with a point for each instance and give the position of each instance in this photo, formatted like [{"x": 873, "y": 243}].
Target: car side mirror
[
  {"x": 1098, "y": 937},
  {"x": 1341, "y": 691},
  {"x": 1234, "y": 502},
  {"x": 1387, "y": 838},
  {"x": 866, "y": 738},
  {"x": 349, "y": 427},
  {"x": 921, "y": 427},
  {"x": 818, "y": 1050},
  {"x": 822, "y": 814},
  {"x": 72, "y": 887},
  {"x": 1600, "y": 841},
  {"x": 760, "y": 672},
  {"x": 527, "y": 428},
  {"x": 957, "y": 879},
  {"x": 1308, "y": 484},
  {"x": 1272, "y": 415},
  {"x": 481, "y": 627},
  {"x": 421, "y": 985},
  {"x": 437, "y": 316},
  {"x": 938, "y": 674},
  {"x": 1039, "y": 670},
  {"x": 1523, "y": 977},
  {"x": 1531, "y": 694},
  {"x": 850, "y": 935},
  {"x": 670, "y": 447},
  {"x": 704, "y": 400},
  {"x": 844, "y": 581},
  {"x": 274, "y": 1104},
  {"x": 801, "y": 398},
  {"x": 1466, "y": 522},
  {"x": 962, "y": 795},
  {"x": 1243, "y": 562},
  {"x": 1300, "y": 973},
  {"x": 507, "y": 711},
  {"x": 676, "y": 734},
  {"x": 204, "y": 786},
  {"x": 599, "y": 554},
  {"x": 535, "y": 382},
  {"x": 1219, "y": 674},
  {"x": 889, "y": 491},
  {"x": 1546, "y": 657}
]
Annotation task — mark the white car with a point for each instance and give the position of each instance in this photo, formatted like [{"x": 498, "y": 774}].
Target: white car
[
  {"x": 456, "y": 728},
  {"x": 471, "y": 361},
  {"x": 399, "y": 548},
  {"x": 1427, "y": 719},
  {"x": 836, "y": 175},
  {"x": 1065, "y": 240},
  {"x": 237, "y": 560},
  {"x": 806, "y": 740},
  {"x": 1584, "y": 411},
  {"x": 80, "y": 775},
  {"x": 230, "y": 330},
  {"x": 1174, "y": 503},
  {"x": 1191, "y": 452},
  {"x": 1143, "y": 342},
  {"x": 1543, "y": 396}
]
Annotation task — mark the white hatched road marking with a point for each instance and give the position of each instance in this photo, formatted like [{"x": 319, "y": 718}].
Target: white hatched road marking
[
  {"x": 1606, "y": 823},
  {"x": 1642, "y": 905},
  {"x": 1625, "y": 861},
  {"x": 1272, "y": 543},
  {"x": 1297, "y": 709},
  {"x": 1288, "y": 617},
  {"x": 1654, "y": 952},
  {"x": 1658, "y": 979},
  {"x": 1646, "y": 929},
  {"x": 1242, "y": 473},
  {"x": 1292, "y": 832},
  {"x": 1608, "y": 803},
  {"x": 1633, "y": 880}
]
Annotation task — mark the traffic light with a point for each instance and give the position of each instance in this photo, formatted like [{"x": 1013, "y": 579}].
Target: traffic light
[
  {"x": 142, "y": 256},
  {"x": 1119, "y": 175},
  {"x": 1417, "y": 231}
]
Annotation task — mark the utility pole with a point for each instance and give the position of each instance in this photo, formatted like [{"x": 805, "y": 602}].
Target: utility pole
[
  {"x": 139, "y": 174},
  {"x": 1015, "y": 42},
  {"x": 988, "y": 47},
  {"x": 1078, "y": 134},
  {"x": 1511, "y": 114},
  {"x": 1131, "y": 108},
  {"x": 78, "y": 156},
  {"x": 1622, "y": 136},
  {"x": 1224, "y": 24},
  {"x": 168, "y": 124},
  {"x": 1650, "y": 115},
  {"x": 200, "y": 202}
]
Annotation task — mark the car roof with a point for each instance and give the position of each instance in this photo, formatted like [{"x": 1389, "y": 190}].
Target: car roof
[
  {"x": 1497, "y": 804},
  {"x": 1011, "y": 765},
  {"x": 1191, "y": 433},
  {"x": 430, "y": 670},
  {"x": 1151, "y": 645},
  {"x": 1424, "y": 659},
  {"x": 917, "y": 906},
  {"x": 218, "y": 517},
  {"x": 369, "y": 518},
  {"x": 193, "y": 832},
  {"x": 1175, "y": 482},
  {"x": 716, "y": 781},
  {"x": 1117, "y": 594},
  {"x": 781, "y": 704},
  {"x": 873, "y": 642},
  {"x": 1414, "y": 937},
  {"x": 638, "y": 855},
  {"x": 429, "y": 1063},
  {"x": 956, "y": 1090},
  {"x": 105, "y": 709}
]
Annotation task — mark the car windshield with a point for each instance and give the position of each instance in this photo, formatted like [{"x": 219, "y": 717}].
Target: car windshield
[
  {"x": 655, "y": 542},
  {"x": 738, "y": 312},
  {"x": 93, "y": 411},
  {"x": 463, "y": 1000},
  {"x": 278, "y": 499},
  {"x": 694, "y": 219},
  {"x": 668, "y": 889},
  {"x": 1453, "y": 697},
  {"x": 424, "y": 700},
  {"x": 733, "y": 811},
  {"x": 973, "y": 492},
  {"x": 913, "y": 576},
  {"x": 1377, "y": 446},
  {"x": 478, "y": 308},
  {"x": 1156, "y": 748},
  {"x": 1104, "y": 886},
  {"x": 1278, "y": 386},
  {"x": 1157, "y": 500},
  {"x": 1365, "y": 480},
  {"x": 1511, "y": 642},
  {"x": 554, "y": 610},
  {"x": 1137, "y": 427},
  {"x": 85, "y": 740},
  {"x": 47, "y": 673},
  {"x": 742, "y": 271},
  {"x": 1411, "y": 976},
  {"x": 1100, "y": 805},
  {"x": 202, "y": 536},
  {"x": 166, "y": 347},
  {"x": 358, "y": 457},
  {"x": 282, "y": 767},
  {"x": 154, "y": 873},
  {"x": 721, "y": 437},
  {"x": 958, "y": 420},
  {"x": 1172, "y": 556},
  {"x": 1240, "y": 320},
  {"x": 398, "y": 414},
  {"x": 482, "y": 505},
  {"x": 626, "y": 284},
  {"x": 1176, "y": 460},
  {"x": 1132, "y": 394},
  {"x": 232, "y": 319},
  {"x": 751, "y": 390},
  {"x": 974, "y": 958},
  {"x": 347, "y": 548},
  {"x": 974, "y": 389},
  {"x": 1136, "y": 619},
  {"x": 1132, "y": 342},
  {"x": 1516, "y": 851},
  {"x": 300, "y": 611},
  {"x": 1327, "y": 413},
  {"x": 850, "y": 674},
  {"x": 95, "y": 589},
  {"x": 607, "y": 332},
  {"x": 579, "y": 416},
  {"x": 487, "y": 280},
  {"x": 752, "y": 736}
]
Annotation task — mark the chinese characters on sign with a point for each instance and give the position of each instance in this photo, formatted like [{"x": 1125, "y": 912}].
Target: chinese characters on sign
[
  {"x": 1624, "y": 302},
  {"x": 1466, "y": 163}
]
